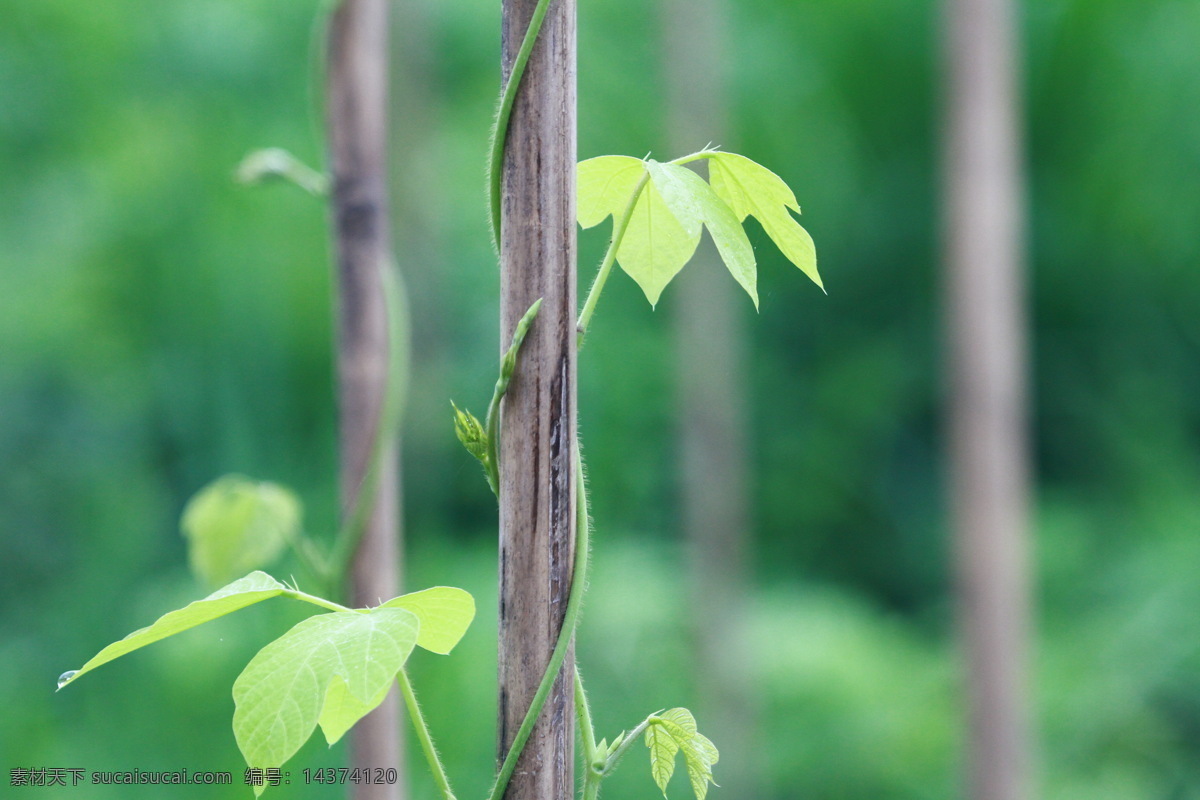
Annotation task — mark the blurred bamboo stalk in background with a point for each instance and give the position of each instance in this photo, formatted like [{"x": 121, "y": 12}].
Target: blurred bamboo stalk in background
[
  {"x": 983, "y": 220},
  {"x": 357, "y": 119},
  {"x": 710, "y": 346}
]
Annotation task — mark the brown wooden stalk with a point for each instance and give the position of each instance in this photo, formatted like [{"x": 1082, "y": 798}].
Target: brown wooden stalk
[
  {"x": 537, "y": 443},
  {"x": 357, "y": 124}
]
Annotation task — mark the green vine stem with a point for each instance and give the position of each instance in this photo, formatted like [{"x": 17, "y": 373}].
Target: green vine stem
[
  {"x": 565, "y": 634},
  {"x": 584, "y": 714},
  {"x": 611, "y": 762},
  {"x": 508, "y": 365},
  {"x": 610, "y": 257},
  {"x": 591, "y": 773},
  {"x": 418, "y": 721},
  {"x": 504, "y": 114}
]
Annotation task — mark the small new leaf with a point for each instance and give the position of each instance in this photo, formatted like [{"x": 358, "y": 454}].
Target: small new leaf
[
  {"x": 331, "y": 668},
  {"x": 674, "y": 731},
  {"x": 471, "y": 433},
  {"x": 663, "y": 747},
  {"x": 236, "y": 524},
  {"x": 751, "y": 189},
  {"x": 254, "y": 588}
]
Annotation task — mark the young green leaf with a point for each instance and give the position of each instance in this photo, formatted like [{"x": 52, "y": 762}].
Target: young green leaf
[
  {"x": 470, "y": 432},
  {"x": 604, "y": 186},
  {"x": 674, "y": 731},
  {"x": 282, "y": 693},
  {"x": 236, "y": 524},
  {"x": 689, "y": 197},
  {"x": 751, "y": 189},
  {"x": 700, "y": 754},
  {"x": 656, "y": 243},
  {"x": 663, "y": 747},
  {"x": 254, "y": 588},
  {"x": 445, "y": 614}
]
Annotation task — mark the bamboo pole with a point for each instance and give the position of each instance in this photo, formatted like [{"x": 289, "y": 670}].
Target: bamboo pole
[
  {"x": 537, "y": 477},
  {"x": 710, "y": 391},
  {"x": 988, "y": 449},
  {"x": 357, "y": 123}
]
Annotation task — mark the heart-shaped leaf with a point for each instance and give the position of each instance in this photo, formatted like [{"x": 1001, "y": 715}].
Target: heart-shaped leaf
[
  {"x": 254, "y": 588},
  {"x": 282, "y": 693}
]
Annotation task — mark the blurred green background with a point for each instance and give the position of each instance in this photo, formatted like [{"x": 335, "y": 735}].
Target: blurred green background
[{"x": 161, "y": 325}]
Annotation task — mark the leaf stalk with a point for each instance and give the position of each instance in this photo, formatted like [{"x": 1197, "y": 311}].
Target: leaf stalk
[{"x": 589, "y": 305}]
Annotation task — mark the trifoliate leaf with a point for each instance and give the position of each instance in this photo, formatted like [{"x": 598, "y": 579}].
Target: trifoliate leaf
[
  {"x": 751, "y": 189},
  {"x": 690, "y": 198},
  {"x": 236, "y": 524},
  {"x": 445, "y": 614},
  {"x": 283, "y": 692},
  {"x": 253, "y": 588},
  {"x": 673, "y": 731}
]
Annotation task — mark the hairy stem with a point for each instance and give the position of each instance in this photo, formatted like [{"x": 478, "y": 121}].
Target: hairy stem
[
  {"x": 504, "y": 113},
  {"x": 508, "y": 365},
  {"x": 422, "y": 729},
  {"x": 319, "y": 601},
  {"x": 570, "y": 621},
  {"x": 584, "y": 713},
  {"x": 589, "y": 305},
  {"x": 611, "y": 763},
  {"x": 591, "y": 770}
]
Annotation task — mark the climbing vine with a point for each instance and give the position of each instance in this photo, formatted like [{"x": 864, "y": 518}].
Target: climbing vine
[{"x": 333, "y": 668}]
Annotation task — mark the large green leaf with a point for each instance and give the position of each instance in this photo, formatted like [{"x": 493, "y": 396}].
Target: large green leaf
[
  {"x": 236, "y": 524},
  {"x": 690, "y": 198},
  {"x": 445, "y": 613},
  {"x": 282, "y": 693},
  {"x": 751, "y": 189},
  {"x": 253, "y": 588}
]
